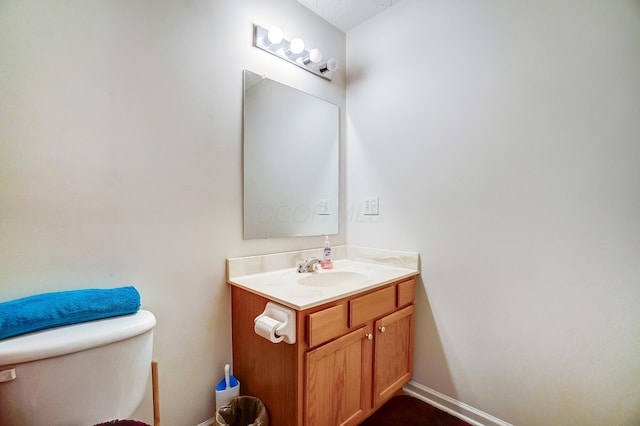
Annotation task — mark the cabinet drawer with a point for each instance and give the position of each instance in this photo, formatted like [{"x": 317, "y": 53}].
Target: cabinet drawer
[
  {"x": 372, "y": 305},
  {"x": 406, "y": 292},
  {"x": 326, "y": 324}
]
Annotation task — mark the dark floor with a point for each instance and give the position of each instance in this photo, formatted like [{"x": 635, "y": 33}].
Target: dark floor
[{"x": 405, "y": 410}]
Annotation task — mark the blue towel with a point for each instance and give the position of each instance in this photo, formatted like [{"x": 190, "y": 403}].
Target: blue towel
[{"x": 50, "y": 310}]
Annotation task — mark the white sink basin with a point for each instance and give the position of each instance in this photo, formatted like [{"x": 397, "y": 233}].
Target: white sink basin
[{"x": 332, "y": 278}]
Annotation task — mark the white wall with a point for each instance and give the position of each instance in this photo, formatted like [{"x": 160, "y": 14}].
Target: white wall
[
  {"x": 503, "y": 140},
  {"x": 121, "y": 161},
  {"x": 501, "y": 137}
]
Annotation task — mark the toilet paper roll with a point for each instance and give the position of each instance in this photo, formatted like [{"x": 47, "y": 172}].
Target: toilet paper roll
[{"x": 266, "y": 327}]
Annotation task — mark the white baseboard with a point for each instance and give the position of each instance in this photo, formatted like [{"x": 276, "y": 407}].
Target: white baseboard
[
  {"x": 452, "y": 406},
  {"x": 207, "y": 422}
]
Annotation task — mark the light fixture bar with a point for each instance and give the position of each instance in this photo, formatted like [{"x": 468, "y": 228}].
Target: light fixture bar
[{"x": 293, "y": 51}]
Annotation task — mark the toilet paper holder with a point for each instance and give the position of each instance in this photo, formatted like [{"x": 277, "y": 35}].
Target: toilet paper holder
[{"x": 284, "y": 315}]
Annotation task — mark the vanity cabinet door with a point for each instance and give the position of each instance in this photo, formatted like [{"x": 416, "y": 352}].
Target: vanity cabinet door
[
  {"x": 338, "y": 380},
  {"x": 393, "y": 357}
]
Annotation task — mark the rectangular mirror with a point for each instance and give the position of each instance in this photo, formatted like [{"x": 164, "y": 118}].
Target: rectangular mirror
[{"x": 291, "y": 161}]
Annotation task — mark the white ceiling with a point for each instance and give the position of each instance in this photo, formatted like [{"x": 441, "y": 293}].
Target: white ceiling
[{"x": 347, "y": 14}]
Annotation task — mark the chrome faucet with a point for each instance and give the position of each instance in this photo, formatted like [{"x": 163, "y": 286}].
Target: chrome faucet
[{"x": 308, "y": 265}]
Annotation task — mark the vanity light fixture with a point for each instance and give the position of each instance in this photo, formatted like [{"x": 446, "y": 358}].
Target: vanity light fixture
[{"x": 272, "y": 40}]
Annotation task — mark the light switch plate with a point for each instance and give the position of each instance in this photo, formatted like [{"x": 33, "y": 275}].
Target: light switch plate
[
  {"x": 372, "y": 206},
  {"x": 323, "y": 207}
]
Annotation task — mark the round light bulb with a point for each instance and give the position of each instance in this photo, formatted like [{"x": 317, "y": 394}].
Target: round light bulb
[
  {"x": 275, "y": 35},
  {"x": 315, "y": 56},
  {"x": 297, "y": 46},
  {"x": 332, "y": 64}
]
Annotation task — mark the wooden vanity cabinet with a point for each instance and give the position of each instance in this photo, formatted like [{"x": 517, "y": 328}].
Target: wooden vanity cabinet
[{"x": 350, "y": 356}]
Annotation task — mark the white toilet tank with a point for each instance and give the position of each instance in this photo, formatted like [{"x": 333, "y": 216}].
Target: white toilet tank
[{"x": 76, "y": 375}]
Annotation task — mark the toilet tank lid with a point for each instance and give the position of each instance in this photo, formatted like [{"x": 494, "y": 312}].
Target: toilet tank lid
[{"x": 74, "y": 338}]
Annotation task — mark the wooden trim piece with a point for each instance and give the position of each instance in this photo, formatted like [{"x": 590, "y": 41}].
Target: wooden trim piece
[{"x": 156, "y": 393}]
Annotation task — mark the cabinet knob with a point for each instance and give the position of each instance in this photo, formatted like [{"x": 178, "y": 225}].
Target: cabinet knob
[
  {"x": 382, "y": 329},
  {"x": 369, "y": 336}
]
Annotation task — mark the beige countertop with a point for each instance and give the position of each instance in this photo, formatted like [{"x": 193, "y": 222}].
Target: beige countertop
[{"x": 274, "y": 276}]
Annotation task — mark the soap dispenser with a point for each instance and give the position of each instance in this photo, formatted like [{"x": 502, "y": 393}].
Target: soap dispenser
[{"x": 326, "y": 254}]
